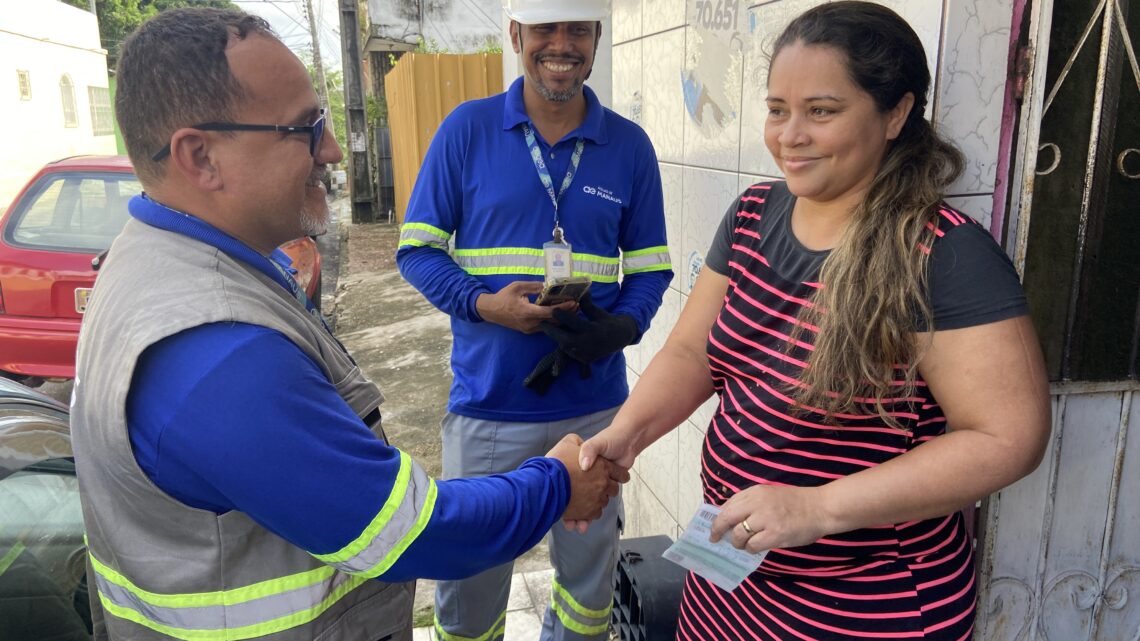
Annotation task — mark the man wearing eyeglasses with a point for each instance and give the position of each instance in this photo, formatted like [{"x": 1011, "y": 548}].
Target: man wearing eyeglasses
[{"x": 234, "y": 477}]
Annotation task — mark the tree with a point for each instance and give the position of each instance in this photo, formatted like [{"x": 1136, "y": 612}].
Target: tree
[
  {"x": 334, "y": 78},
  {"x": 118, "y": 18}
]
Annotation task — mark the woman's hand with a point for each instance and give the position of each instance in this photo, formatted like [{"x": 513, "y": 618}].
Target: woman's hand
[
  {"x": 612, "y": 443},
  {"x": 778, "y": 517},
  {"x": 618, "y": 449}
]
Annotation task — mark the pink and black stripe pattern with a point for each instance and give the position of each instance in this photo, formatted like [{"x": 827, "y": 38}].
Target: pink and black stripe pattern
[{"x": 898, "y": 581}]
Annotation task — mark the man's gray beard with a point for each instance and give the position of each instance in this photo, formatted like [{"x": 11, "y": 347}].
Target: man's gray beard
[
  {"x": 315, "y": 223},
  {"x": 555, "y": 96}
]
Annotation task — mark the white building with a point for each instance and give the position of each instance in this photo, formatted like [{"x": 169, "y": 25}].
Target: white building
[{"x": 57, "y": 102}]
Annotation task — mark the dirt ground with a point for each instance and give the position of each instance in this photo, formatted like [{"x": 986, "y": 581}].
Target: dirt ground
[
  {"x": 403, "y": 344},
  {"x": 400, "y": 341}
]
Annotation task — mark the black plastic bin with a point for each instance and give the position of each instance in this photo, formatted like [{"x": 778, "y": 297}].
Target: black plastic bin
[{"x": 647, "y": 590}]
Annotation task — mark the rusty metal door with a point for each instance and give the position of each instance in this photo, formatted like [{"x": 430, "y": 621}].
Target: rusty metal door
[{"x": 1060, "y": 550}]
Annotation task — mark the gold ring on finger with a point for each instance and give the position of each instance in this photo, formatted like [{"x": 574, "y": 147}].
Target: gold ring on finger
[{"x": 744, "y": 524}]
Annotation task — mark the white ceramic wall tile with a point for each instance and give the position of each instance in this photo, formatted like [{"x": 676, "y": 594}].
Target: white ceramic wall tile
[
  {"x": 972, "y": 86},
  {"x": 689, "y": 494},
  {"x": 660, "y": 15},
  {"x": 711, "y": 80},
  {"x": 978, "y": 207},
  {"x": 655, "y": 513},
  {"x": 925, "y": 17},
  {"x": 764, "y": 25},
  {"x": 706, "y": 195},
  {"x": 632, "y": 375},
  {"x": 663, "y": 108},
  {"x": 672, "y": 191},
  {"x": 645, "y": 514},
  {"x": 626, "y": 20},
  {"x": 659, "y": 329},
  {"x": 657, "y": 466},
  {"x": 631, "y": 496},
  {"x": 628, "y": 94}
]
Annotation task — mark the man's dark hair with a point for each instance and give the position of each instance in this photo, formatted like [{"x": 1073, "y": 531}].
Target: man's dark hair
[{"x": 173, "y": 73}]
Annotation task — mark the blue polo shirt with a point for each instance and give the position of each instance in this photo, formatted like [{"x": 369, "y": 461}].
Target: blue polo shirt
[{"x": 479, "y": 187}]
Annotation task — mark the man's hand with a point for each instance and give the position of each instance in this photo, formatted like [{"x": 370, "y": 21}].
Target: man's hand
[
  {"x": 511, "y": 307},
  {"x": 615, "y": 450},
  {"x": 590, "y": 491}
]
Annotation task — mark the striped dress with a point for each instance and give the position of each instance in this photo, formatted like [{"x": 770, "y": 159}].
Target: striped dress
[{"x": 903, "y": 581}]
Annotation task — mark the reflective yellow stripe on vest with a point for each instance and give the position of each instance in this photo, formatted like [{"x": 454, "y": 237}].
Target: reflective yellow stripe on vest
[
  {"x": 419, "y": 235},
  {"x": 242, "y": 613},
  {"x": 405, "y": 514},
  {"x": 650, "y": 259},
  {"x": 525, "y": 261},
  {"x": 280, "y": 604}
]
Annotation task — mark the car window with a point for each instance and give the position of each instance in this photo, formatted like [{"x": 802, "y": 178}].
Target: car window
[
  {"x": 73, "y": 211},
  {"x": 43, "y": 585}
]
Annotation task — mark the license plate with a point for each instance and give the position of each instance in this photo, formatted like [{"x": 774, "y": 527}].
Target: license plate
[{"x": 82, "y": 294}]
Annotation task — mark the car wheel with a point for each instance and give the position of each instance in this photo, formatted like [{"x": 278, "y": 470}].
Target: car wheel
[{"x": 26, "y": 381}]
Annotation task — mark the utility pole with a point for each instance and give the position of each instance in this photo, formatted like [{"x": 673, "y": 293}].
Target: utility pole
[
  {"x": 322, "y": 84},
  {"x": 363, "y": 195}
]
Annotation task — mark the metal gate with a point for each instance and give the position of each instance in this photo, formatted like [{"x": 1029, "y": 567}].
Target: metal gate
[{"x": 1060, "y": 550}]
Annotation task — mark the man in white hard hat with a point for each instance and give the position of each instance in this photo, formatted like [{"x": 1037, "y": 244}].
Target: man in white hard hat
[{"x": 538, "y": 186}]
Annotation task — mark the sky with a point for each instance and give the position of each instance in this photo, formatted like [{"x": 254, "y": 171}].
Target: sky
[
  {"x": 289, "y": 21},
  {"x": 455, "y": 26}
]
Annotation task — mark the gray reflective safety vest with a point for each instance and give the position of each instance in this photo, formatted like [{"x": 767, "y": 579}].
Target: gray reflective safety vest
[{"x": 164, "y": 570}]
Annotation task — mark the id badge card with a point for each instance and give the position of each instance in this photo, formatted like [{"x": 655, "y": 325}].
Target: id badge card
[{"x": 559, "y": 263}]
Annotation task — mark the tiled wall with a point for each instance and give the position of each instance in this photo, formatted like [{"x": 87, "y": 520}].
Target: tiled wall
[{"x": 700, "y": 97}]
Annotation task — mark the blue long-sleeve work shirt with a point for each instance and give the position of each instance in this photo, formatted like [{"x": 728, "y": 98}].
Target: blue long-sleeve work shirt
[{"x": 479, "y": 187}]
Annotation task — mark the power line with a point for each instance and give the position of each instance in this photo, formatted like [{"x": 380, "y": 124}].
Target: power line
[
  {"x": 475, "y": 5},
  {"x": 275, "y": 4}
]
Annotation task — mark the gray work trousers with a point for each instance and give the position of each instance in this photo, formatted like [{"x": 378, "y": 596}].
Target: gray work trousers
[{"x": 582, "y": 592}]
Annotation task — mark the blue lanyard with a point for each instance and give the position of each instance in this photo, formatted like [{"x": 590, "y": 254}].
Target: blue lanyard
[
  {"x": 544, "y": 173},
  {"x": 159, "y": 215}
]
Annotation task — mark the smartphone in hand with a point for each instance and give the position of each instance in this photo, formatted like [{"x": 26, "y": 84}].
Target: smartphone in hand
[{"x": 563, "y": 289}]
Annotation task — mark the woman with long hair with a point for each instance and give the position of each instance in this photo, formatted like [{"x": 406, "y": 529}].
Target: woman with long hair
[{"x": 871, "y": 351}]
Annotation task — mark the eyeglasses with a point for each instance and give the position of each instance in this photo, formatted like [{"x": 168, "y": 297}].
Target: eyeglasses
[{"x": 316, "y": 131}]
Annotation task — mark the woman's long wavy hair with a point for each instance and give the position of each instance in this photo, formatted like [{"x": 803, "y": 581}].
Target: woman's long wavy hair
[{"x": 874, "y": 281}]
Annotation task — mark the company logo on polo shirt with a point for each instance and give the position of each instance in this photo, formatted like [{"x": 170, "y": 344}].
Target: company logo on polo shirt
[{"x": 603, "y": 193}]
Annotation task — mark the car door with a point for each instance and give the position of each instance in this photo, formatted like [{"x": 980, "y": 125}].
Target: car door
[{"x": 43, "y": 588}]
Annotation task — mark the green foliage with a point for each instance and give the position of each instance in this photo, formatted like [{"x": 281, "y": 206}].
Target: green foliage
[
  {"x": 429, "y": 46},
  {"x": 118, "y": 18},
  {"x": 376, "y": 111},
  {"x": 491, "y": 46},
  {"x": 334, "y": 86}
]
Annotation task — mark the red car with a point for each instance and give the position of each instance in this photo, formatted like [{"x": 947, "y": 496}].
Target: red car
[{"x": 64, "y": 218}]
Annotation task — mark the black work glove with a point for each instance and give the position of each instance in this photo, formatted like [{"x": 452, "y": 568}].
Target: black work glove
[
  {"x": 549, "y": 368},
  {"x": 588, "y": 339}
]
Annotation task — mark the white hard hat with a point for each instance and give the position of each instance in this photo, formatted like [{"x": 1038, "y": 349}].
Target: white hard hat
[{"x": 547, "y": 11}]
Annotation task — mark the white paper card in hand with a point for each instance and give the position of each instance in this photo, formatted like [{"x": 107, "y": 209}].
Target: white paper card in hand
[{"x": 718, "y": 562}]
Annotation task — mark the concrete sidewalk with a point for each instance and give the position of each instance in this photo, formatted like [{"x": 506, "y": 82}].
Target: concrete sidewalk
[{"x": 402, "y": 343}]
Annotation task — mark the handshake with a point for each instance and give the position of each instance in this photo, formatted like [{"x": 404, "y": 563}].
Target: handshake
[{"x": 590, "y": 489}]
